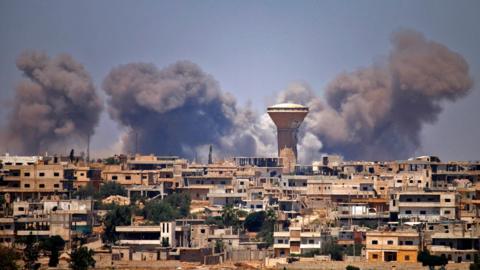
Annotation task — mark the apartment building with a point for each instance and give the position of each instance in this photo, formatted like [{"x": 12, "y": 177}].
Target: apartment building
[
  {"x": 147, "y": 235},
  {"x": 423, "y": 205},
  {"x": 392, "y": 245},
  {"x": 34, "y": 181},
  {"x": 296, "y": 240}
]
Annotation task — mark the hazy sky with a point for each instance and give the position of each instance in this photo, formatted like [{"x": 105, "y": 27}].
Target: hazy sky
[{"x": 253, "y": 48}]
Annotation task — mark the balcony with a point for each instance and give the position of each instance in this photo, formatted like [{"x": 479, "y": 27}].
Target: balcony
[
  {"x": 281, "y": 245},
  {"x": 34, "y": 233}
]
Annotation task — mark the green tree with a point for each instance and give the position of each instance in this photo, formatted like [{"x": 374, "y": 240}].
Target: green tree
[
  {"x": 173, "y": 206},
  {"x": 82, "y": 258},
  {"x": 180, "y": 201},
  {"x": 431, "y": 260},
  {"x": 117, "y": 216},
  {"x": 354, "y": 250},
  {"x": 30, "y": 252},
  {"x": 219, "y": 246},
  {"x": 85, "y": 192},
  {"x": 8, "y": 258},
  {"x": 230, "y": 216},
  {"x": 255, "y": 221},
  {"x": 266, "y": 233},
  {"x": 331, "y": 248},
  {"x": 111, "y": 188},
  {"x": 210, "y": 220},
  {"x": 476, "y": 262},
  {"x": 159, "y": 211},
  {"x": 53, "y": 245}
]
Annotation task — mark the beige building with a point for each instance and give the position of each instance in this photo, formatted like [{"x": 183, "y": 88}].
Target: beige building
[
  {"x": 423, "y": 206},
  {"x": 387, "y": 246}
]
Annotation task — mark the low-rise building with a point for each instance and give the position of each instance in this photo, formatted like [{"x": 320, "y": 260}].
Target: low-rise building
[{"x": 392, "y": 245}]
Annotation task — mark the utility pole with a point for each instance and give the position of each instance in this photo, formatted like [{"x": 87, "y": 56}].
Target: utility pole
[
  {"x": 136, "y": 142},
  {"x": 88, "y": 149}
]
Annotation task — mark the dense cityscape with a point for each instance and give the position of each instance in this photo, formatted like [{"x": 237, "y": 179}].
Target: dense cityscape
[
  {"x": 138, "y": 211},
  {"x": 239, "y": 135}
]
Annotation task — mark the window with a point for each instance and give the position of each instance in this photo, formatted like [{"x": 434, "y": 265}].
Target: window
[
  {"x": 26, "y": 185},
  {"x": 56, "y": 174},
  {"x": 82, "y": 174},
  {"x": 390, "y": 242},
  {"x": 448, "y": 200},
  {"x": 409, "y": 243},
  {"x": 407, "y": 258},
  {"x": 447, "y": 212},
  {"x": 128, "y": 177},
  {"x": 311, "y": 241},
  {"x": 56, "y": 185},
  {"x": 423, "y": 212},
  {"x": 26, "y": 174},
  {"x": 408, "y": 212},
  {"x": 280, "y": 241},
  {"x": 42, "y": 185},
  {"x": 42, "y": 174},
  {"x": 114, "y": 177},
  {"x": 374, "y": 256},
  {"x": 21, "y": 209},
  {"x": 374, "y": 242},
  {"x": 202, "y": 231}
]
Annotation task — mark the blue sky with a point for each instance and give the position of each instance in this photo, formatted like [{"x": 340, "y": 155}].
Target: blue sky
[{"x": 253, "y": 48}]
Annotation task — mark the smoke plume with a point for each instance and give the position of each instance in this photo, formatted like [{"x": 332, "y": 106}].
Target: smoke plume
[
  {"x": 54, "y": 104},
  {"x": 178, "y": 110},
  {"x": 378, "y": 112}
]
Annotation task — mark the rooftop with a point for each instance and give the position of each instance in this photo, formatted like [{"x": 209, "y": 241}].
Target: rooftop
[{"x": 287, "y": 106}]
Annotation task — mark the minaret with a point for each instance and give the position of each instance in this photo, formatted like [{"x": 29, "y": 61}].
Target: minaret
[{"x": 210, "y": 159}]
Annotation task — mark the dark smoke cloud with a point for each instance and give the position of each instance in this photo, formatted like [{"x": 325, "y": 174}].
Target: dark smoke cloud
[
  {"x": 178, "y": 110},
  {"x": 54, "y": 104},
  {"x": 377, "y": 112}
]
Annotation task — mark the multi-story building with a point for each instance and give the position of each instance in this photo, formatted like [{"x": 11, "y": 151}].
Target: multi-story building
[
  {"x": 392, "y": 245},
  {"x": 423, "y": 205}
]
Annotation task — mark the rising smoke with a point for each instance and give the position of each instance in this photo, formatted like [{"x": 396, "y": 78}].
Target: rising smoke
[
  {"x": 178, "y": 110},
  {"x": 375, "y": 112},
  {"x": 378, "y": 112},
  {"x": 54, "y": 104}
]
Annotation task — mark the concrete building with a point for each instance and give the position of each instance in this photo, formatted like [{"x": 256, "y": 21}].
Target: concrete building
[
  {"x": 153, "y": 235},
  {"x": 423, "y": 206},
  {"x": 287, "y": 117},
  {"x": 296, "y": 240},
  {"x": 389, "y": 245}
]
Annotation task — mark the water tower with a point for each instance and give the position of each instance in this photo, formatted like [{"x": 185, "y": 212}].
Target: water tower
[{"x": 287, "y": 117}]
